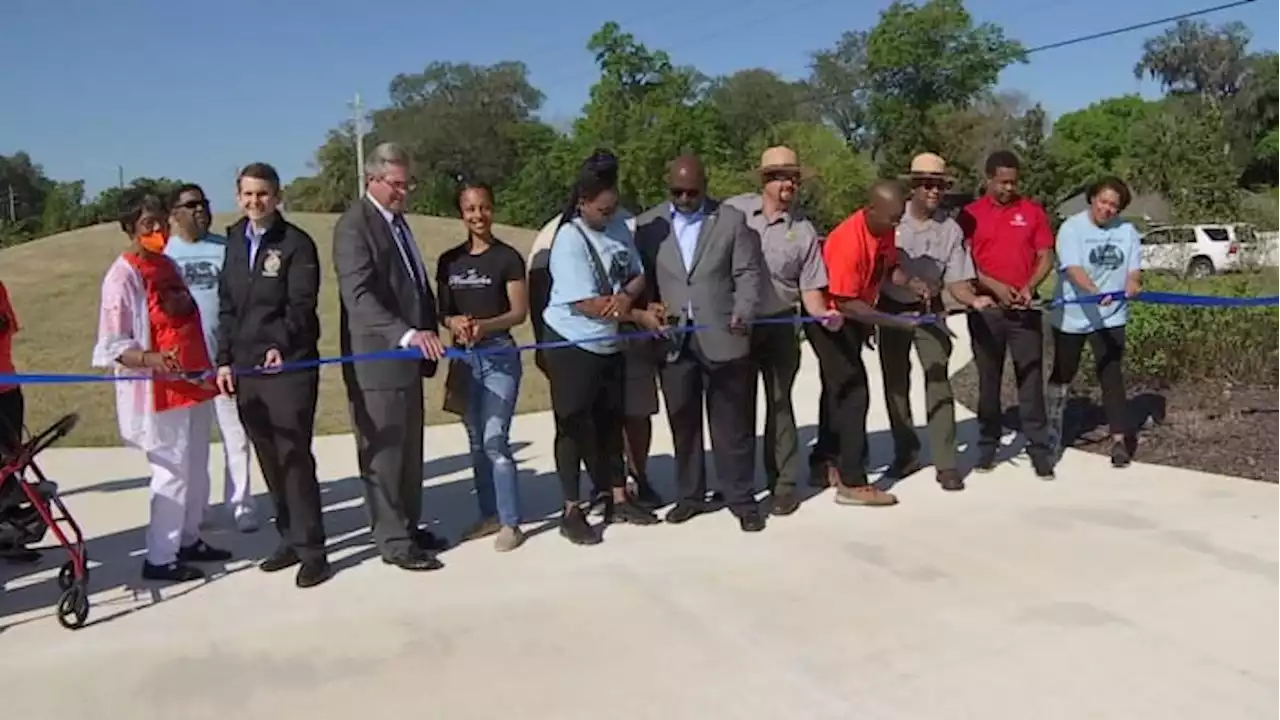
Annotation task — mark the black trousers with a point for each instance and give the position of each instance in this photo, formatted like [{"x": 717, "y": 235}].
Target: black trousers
[
  {"x": 1020, "y": 333},
  {"x": 845, "y": 398},
  {"x": 1108, "y": 358},
  {"x": 587, "y": 402},
  {"x": 388, "y": 425},
  {"x": 728, "y": 391},
  {"x": 278, "y": 413}
]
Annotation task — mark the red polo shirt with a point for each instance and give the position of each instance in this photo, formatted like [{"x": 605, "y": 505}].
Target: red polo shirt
[
  {"x": 856, "y": 260},
  {"x": 1004, "y": 239}
]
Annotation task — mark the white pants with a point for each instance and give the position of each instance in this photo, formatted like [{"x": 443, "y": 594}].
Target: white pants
[
  {"x": 179, "y": 480},
  {"x": 235, "y": 449}
]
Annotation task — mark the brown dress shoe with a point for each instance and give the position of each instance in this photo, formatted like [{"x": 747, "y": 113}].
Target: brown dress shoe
[{"x": 950, "y": 480}]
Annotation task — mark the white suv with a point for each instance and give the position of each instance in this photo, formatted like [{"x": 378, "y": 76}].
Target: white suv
[{"x": 1194, "y": 250}]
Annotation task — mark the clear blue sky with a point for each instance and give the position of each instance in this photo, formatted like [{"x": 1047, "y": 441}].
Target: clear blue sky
[{"x": 195, "y": 90}]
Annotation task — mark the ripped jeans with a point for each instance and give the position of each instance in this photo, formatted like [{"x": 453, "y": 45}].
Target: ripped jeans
[{"x": 492, "y": 392}]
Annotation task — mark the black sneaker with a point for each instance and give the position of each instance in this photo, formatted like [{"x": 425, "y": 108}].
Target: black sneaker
[
  {"x": 172, "y": 572},
  {"x": 19, "y": 555},
  {"x": 1120, "y": 455},
  {"x": 903, "y": 468},
  {"x": 201, "y": 551},
  {"x": 575, "y": 529},
  {"x": 633, "y": 514},
  {"x": 1043, "y": 467},
  {"x": 646, "y": 496}
]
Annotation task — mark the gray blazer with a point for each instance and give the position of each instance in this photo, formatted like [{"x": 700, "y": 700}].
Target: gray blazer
[
  {"x": 379, "y": 302},
  {"x": 725, "y": 279}
]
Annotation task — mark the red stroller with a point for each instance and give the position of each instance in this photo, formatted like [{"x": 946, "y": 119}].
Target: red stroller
[{"x": 27, "y": 506}]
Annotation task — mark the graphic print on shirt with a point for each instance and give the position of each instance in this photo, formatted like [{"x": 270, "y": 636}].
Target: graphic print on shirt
[
  {"x": 470, "y": 278},
  {"x": 620, "y": 267},
  {"x": 199, "y": 274},
  {"x": 1106, "y": 257}
]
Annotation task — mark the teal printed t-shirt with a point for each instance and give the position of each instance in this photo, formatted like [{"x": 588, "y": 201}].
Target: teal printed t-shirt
[
  {"x": 573, "y": 279},
  {"x": 201, "y": 263},
  {"x": 1107, "y": 255}
]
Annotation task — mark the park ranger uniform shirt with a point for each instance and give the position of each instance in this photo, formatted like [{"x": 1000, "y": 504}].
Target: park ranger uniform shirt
[
  {"x": 792, "y": 255},
  {"x": 932, "y": 250}
]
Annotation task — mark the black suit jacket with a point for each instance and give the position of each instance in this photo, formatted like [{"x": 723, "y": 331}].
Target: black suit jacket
[
  {"x": 273, "y": 303},
  {"x": 379, "y": 302}
]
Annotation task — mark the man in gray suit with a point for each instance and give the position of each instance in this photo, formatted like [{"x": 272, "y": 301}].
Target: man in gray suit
[
  {"x": 387, "y": 303},
  {"x": 706, "y": 268}
]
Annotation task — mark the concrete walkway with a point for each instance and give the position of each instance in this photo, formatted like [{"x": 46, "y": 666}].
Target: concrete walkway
[{"x": 1147, "y": 593}]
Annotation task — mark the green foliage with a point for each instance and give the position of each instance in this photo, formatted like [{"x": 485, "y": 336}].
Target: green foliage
[
  {"x": 1172, "y": 344},
  {"x": 1184, "y": 157},
  {"x": 923, "y": 56},
  {"x": 1098, "y": 140}
]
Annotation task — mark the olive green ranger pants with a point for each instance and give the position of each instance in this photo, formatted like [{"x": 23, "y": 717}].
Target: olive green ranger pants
[{"x": 933, "y": 347}]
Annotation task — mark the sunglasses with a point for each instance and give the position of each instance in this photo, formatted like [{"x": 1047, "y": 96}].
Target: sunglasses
[
  {"x": 777, "y": 176},
  {"x": 684, "y": 192},
  {"x": 931, "y": 184},
  {"x": 193, "y": 204}
]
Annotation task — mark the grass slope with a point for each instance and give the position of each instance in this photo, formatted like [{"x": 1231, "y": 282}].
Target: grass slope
[{"x": 55, "y": 282}]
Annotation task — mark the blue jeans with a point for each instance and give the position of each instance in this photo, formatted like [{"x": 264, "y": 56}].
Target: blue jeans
[{"x": 491, "y": 401}]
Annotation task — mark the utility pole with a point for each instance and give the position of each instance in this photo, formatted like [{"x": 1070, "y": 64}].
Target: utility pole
[
  {"x": 120, "y": 176},
  {"x": 358, "y": 112},
  {"x": 13, "y": 205}
]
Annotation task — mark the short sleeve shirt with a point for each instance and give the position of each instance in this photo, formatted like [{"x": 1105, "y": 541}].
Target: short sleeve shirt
[
  {"x": 931, "y": 250},
  {"x": 791, "y": 251},
  {"x": 574, "y": 278},
  {"x": 1107, "y": 255},
  {"x": 1005, "y": 239},
  {"x": 201, "y": 264},
  {"x": 857, "y": 260},
  {"x": 476, "y": 285}
]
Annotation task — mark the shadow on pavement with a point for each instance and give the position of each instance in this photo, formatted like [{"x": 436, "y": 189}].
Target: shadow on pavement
[{"x": 448, "y": 508}]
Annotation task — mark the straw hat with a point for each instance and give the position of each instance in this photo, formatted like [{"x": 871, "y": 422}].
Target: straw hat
[
  {"x": 928, "y": 166},
  {"x": 782, "y": 159}
]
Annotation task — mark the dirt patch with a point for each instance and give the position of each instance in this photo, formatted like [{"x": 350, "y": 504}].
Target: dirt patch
[{"x": 1229, "y": 430}]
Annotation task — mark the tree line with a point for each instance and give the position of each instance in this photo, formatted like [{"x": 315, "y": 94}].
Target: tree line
[{"x": 922, "y": 78}]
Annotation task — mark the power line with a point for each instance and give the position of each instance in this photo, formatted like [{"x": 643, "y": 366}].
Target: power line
[
  {"x": 1082, "y": 39},
  {"x": 1139, "y": 26}
]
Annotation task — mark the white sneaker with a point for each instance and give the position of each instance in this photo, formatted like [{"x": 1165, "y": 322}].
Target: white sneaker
[{"x": 246, "y": 520}]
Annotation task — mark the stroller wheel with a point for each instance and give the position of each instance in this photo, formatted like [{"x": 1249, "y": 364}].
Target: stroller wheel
[
  {"x": 67, "y": 574},
  {"x": 73, "y": 607}
]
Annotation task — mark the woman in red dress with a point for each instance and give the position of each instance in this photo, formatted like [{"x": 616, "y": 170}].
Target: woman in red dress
[{"x": 149, "y": 325}]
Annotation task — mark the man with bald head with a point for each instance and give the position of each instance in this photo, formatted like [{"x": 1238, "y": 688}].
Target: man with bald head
[
  {"x": 705, "y": 268},
  {"x": 859, "y": 254}
]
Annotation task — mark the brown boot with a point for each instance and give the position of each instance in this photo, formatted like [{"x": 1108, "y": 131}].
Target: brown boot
[{"x": 865, "y": 495}]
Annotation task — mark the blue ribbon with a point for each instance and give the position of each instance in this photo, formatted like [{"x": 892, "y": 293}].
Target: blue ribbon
[
  {"x": 1158, "y": 298},
  {"x": 1167, "y": 298},
  {"x": 453, "y": 353}
]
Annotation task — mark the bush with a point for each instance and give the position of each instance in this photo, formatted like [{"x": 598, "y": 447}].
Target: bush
[{"x": 1167, "y": 344}]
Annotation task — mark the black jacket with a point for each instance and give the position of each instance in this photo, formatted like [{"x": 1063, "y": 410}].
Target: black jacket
[{"x": 272, "y": 305}]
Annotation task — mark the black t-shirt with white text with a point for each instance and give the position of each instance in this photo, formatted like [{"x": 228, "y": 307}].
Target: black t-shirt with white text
[{"x": 476, "y": 285}]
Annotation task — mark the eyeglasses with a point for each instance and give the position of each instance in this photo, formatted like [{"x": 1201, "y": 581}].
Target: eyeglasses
[
  {"x": 407, "y": 186},
  {"x": 931, "y": 184},
  {"x": 193, "y": 204},
  {"x": 684, "y": 192}
]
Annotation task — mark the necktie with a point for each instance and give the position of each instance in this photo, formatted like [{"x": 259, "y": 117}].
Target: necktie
[{"x": 406, "y": 251}]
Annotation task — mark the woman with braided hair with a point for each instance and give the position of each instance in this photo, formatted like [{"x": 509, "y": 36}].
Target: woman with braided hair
[{"x": 596, "y": 276}]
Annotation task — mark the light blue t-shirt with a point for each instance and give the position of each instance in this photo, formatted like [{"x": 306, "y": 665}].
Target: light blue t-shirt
[
  {"x": 201, "y": 263},
  {"x": 573, "y": 279},
  {"x": 1107, "y": 254}
]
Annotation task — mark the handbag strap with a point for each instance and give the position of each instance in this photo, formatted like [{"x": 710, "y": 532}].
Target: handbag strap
[{"x": 603, "y": 286}]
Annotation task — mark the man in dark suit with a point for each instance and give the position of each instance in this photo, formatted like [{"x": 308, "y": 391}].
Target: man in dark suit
[
  {"x": 267, "y": 293},
  {"x": 706, "y": 267},
  {"x": 387, "y": 304}
]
